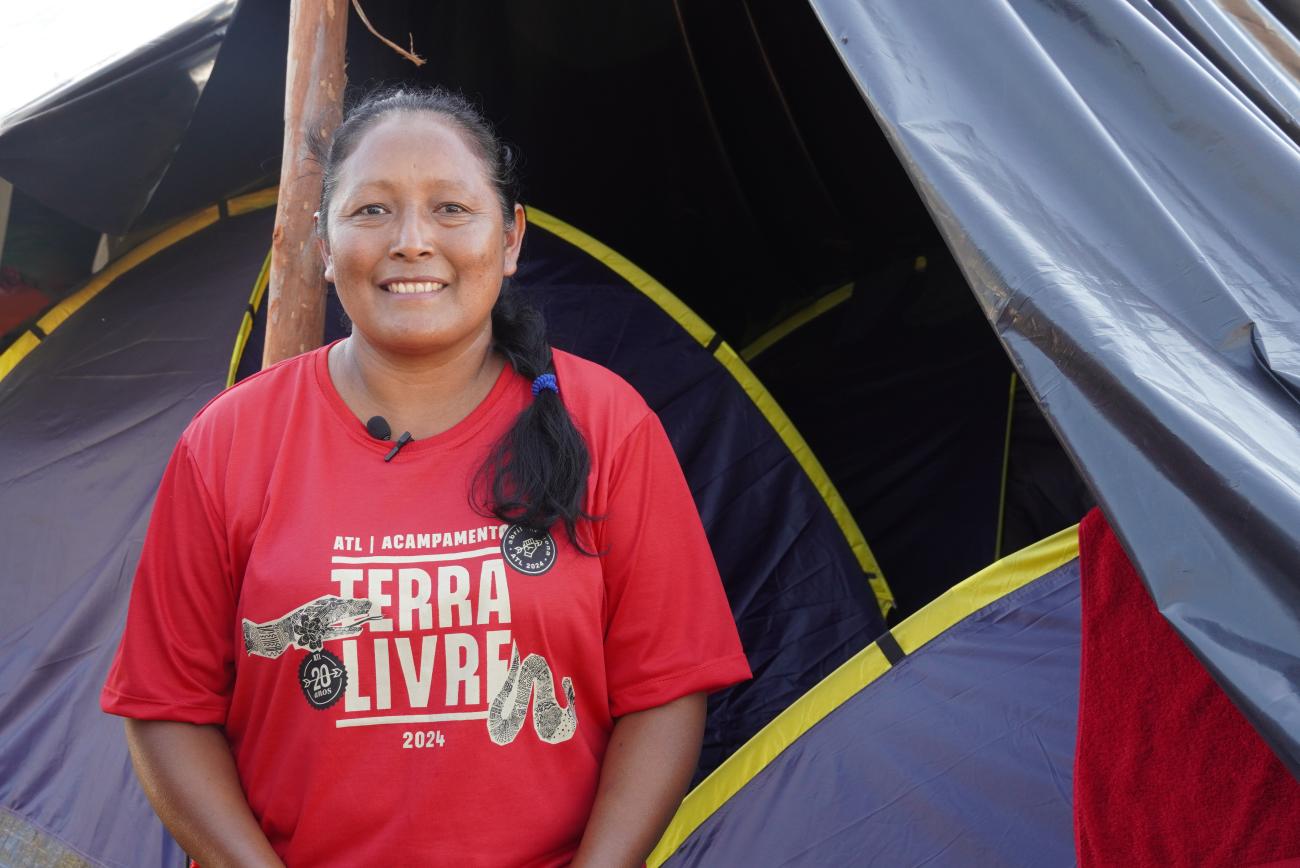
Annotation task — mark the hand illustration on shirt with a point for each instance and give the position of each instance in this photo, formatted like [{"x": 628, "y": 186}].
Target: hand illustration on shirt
[{"x": 309, "y": 626}]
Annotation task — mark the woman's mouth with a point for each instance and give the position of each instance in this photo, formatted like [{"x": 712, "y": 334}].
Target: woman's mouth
[{"x": 414, "y": 287}]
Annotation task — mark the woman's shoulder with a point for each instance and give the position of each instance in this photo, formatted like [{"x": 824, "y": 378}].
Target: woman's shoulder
[
  {"x": 601, "y": 402},
  {"x": 254, "y": 404}
]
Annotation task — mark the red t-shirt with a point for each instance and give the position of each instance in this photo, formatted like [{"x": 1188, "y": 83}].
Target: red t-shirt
[{"x": 401, "y": 680}]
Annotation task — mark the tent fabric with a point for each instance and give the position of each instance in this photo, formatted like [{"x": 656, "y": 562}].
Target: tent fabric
[
  {"x": 949, "y": 740},
  {"x": 657, "y": 129},
  {"x": 1039, "y": 493},
  {"x": 59, "y": 313},
  {"x": 1167, "y": 772},
  {"x": 1124, "y": 215},
  {"x": 907, "y": 365},
  {"x": 754, "y": 388},
  {"x": 90, "y": 412},
  {"x": 87, "y": 420}
]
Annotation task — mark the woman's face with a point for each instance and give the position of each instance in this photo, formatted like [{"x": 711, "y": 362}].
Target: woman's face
[{"x": 417, "y": 246}]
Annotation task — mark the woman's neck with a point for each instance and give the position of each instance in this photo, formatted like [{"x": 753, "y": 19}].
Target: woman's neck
[{"x": 425, "y": 395}]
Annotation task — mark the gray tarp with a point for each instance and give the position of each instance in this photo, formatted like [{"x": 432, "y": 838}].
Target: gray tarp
[{"x": 1111, "y": 178}]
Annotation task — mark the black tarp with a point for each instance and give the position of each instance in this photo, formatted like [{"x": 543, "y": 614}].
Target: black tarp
[
  {"x": 1128, "y": 220},
  {"x": 96, "y": 149}
]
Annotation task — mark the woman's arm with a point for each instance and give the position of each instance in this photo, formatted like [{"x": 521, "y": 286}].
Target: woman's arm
[
  {"x": 647, "y": 767},
  {"x": 189, "y": 776}
]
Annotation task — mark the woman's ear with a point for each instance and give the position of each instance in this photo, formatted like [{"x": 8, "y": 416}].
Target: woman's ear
[
  {"x": 324, "y": 248},
  {"x": 515, "y": 241}
]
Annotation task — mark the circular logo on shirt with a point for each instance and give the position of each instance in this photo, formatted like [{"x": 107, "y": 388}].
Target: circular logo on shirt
[
  {"x": 323, "y": 678},
  {"x": 527, "y": 550}
]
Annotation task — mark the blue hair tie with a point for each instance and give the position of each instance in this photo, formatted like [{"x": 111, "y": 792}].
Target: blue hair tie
[{"x": 545, "y": 381}]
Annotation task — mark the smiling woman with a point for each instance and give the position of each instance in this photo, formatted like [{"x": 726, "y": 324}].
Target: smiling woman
[{"x": 363, "y": 635}]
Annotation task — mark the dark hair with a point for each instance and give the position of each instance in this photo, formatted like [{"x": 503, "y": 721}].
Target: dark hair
[
  {"x": 500, "y": 163},
  {"x": 536, "y": 474}
]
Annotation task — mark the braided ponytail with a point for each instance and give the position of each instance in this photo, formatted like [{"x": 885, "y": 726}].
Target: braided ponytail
[{"x": 536, "y": 473}]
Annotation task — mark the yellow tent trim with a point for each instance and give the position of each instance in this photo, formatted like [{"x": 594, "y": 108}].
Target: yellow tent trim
[
  {"x": 17, "y": 351},
  {"x": 802, "y": 317},
  {"x": 961, "y": 601},
  {"x": 803, "y": 453},
  {"x": 624, "y": 268},
  {"x": 797, "y": 320},
  {"x": 705, "y": 336},
  {"x": 728, "y": 778},
  {"x": 58, "y": 315},
  {"x": 254, "y": 201},
  {"x": 246, "y": 326},
  {"x": 987, "y": 586}
]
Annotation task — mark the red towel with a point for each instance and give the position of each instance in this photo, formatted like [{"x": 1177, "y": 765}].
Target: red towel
[{"x": 1167, "y": 771}]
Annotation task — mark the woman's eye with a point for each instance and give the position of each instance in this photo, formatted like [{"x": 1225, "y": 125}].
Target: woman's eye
[
  {"x": 452, "y": 208},
  {"x": 371, "y": 209}
]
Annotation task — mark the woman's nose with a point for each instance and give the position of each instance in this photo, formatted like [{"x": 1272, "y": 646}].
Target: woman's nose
[{"x": 414, "y": 237}]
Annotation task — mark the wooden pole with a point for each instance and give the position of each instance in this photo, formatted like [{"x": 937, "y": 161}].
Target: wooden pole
[{"x": 313, "y": 94}]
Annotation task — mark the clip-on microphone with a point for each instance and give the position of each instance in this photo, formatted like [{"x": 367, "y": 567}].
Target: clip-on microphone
[
  {"x": 401, "y": 441},
  {"x": 378, "y": 428}
]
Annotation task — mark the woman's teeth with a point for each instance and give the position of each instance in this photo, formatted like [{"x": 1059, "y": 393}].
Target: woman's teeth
[{"x": 413, "y": 287}]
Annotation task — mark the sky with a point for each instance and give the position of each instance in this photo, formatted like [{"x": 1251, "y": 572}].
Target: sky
[{"x": 44, "y": 45}]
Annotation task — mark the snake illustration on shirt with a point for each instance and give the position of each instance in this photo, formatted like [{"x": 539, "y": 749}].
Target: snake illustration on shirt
[{"x": 509, "y": 707}]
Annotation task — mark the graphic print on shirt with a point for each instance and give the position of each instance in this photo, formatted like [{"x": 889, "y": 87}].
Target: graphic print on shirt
[
  {"x": 322, "y": 675},
  {"x": 449, "y": 615},
  {"x": 528, "y": 551},
  {"x": 533, "y": 677},
  {"x": 308, "y": 626}
]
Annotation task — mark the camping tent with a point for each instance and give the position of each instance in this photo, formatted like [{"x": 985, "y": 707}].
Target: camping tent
[
  {"x": 724, "y": 149},
  {"x": 949, "y": 740}
]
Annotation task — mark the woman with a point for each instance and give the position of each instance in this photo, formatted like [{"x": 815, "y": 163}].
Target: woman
[{"x": 336, "y": 644}]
